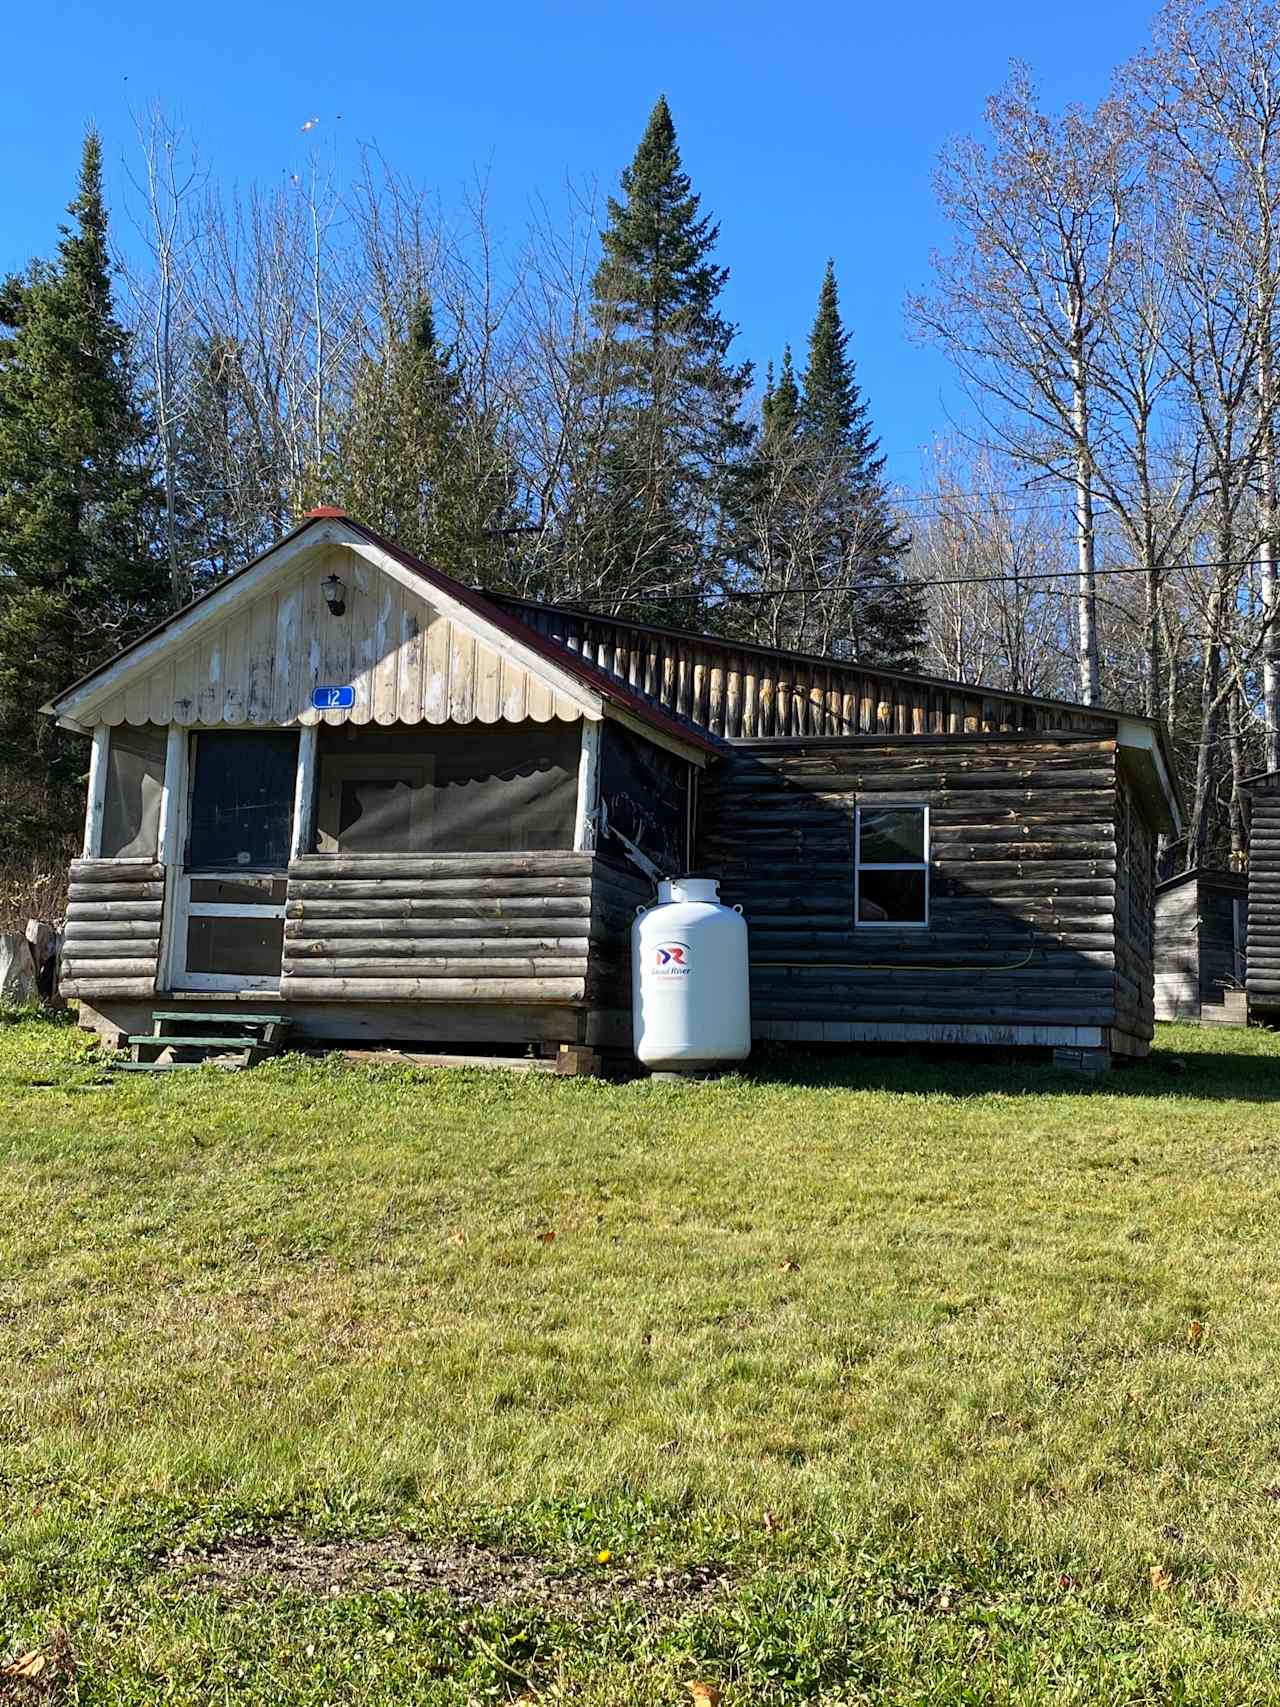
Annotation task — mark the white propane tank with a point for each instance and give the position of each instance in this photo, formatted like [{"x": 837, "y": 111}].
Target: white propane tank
[{"x": 690, "y": 995}]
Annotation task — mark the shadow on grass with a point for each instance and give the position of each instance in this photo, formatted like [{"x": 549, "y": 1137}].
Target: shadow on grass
[{"x": 1182, "y": 1066}]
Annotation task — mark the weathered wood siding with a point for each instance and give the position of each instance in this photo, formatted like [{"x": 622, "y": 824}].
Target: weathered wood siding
[
  {"x": 408, "y": 662},
  {"x": 1134, "y": 920},
  {"x": 454, "y": 927},
  {"x": 1022, "y": 942},
  {"x": 1177, "y": 939},
  {"x": 1263, "y": 979},
  {"x": 754, "y": 692},
  {"x": 1197, "y": 975},
  {"x": 114, "y": 914}
]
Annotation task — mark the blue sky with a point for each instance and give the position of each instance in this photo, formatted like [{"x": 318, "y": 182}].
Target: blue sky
[{"x": 809, "y": 129}]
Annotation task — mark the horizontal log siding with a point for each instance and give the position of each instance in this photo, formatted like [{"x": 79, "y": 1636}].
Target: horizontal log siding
[
  {"x": 753, "y": 692},
  {"x": 1195, "y": 946},
  {"x": 114, "y": 913},
  {"x": 620, "y": 889},
  {"x": 1135, "y": 919},
  {"x": 1024, "y": 861},
  {"x": 1263, "y": 952},
  {"x": 453, "y": 927},
  {"x": 1177, "y": 953}
]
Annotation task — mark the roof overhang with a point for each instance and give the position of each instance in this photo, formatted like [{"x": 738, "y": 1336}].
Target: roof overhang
[
  {"x": 595, "y": 694},
  {"x": 1144, "y": 758},
  {"x": 1207, "y": 874}
]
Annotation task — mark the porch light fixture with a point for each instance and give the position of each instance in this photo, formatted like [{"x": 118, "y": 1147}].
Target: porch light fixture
[{"x": 335, "y": 594}]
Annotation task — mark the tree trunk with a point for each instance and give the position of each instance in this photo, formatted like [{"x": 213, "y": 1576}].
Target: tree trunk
[
  {"x": 1235, "y": 750},
  {"x": 1087, "y": 586},
  {"x": 1211, "y": 697},
  {"x": 1267, "y": 508}
]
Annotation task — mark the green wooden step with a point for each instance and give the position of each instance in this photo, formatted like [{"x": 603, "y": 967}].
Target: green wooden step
[
  {"x": 172, "y": 1066},
  {"x": 205, "y": 1041},
  {"x": 202, "y": 1016}
]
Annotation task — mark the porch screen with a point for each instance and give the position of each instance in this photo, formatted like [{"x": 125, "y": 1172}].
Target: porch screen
[
  {"x": 242, "y": 800},
  {"x": 476, "y": 788},
  {"x": 644, "y": 791},
  {"x": 135, "y": 779}
]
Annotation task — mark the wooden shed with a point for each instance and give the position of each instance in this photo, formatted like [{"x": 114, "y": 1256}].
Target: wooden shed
[
  {"x": 1200, "y": 933},
  {"x": 1262, "y": 970},
  {"x": 403, "y": 809}
]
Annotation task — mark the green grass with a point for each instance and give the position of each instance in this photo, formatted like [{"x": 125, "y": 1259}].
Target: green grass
[{"x": 899, "y": 1348}]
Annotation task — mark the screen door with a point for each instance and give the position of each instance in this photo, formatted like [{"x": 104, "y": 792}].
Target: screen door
[{"x": 229, "y": 919}]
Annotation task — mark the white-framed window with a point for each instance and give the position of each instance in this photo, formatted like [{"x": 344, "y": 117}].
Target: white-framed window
[
  {"x": 375, "y": 804},
  {"x": 891, "y": 866}
]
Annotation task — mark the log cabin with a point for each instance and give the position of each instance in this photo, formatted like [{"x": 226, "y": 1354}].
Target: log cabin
[
  {"x": 392, "y": 807},
  {"x": 1200, "y": 933},
  {"x": 1262, "y": 955}
]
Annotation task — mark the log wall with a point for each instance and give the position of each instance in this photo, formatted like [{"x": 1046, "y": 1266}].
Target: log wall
[
  {"x": 455, "y": 927},
  {"x": 1263, "y": 975},
  {"x": 114, "y": 914},
  {"x": 753, "y": 692},
  {"x": 1022, "y": 944},
  {"x": 1177, "y": 941},
  {"x": 1134, "y": 921},
  {"x": 1195, "y": 947}
]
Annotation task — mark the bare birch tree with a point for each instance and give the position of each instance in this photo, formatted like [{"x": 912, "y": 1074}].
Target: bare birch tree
[
  {"x": 1210, "y": 92},
  {"x": 167, "y": 184},
  {"x": 1021, "y": 302}
]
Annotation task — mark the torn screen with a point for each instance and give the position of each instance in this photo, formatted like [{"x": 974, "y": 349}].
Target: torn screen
[
  {"x": 135, "y": 782},
  {"x": 644, "y": 791}
]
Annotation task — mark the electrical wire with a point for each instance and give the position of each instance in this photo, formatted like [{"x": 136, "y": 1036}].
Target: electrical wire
[
  {"x": 741, "y": 594},
  {"x": 889, "y": 966}
]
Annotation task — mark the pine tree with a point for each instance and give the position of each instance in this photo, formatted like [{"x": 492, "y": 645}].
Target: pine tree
[
  {"x": 864, "y": 542},
  {"x": 412, "y": 461},
  {"x": 77, "y": 506},
  {"x": 780, "y": 407},
  {"x": 651, "y": 483}
]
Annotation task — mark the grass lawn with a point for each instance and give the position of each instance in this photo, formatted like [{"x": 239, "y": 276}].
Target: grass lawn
[{"x": 843, "y": 1380}]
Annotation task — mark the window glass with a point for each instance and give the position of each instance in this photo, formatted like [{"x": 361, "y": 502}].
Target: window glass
[
  {"x": 374, "y": 804},
  {"x": 239, "y": 891},
  {"x": 892, "y": 835},
  {"x": 890, "y": 897},
  {"x": 251, "y": 947},
  {"x": 891, "y": 865},
  {"x": 242, "y": 800},
  {"x": 135, "y": 782}
]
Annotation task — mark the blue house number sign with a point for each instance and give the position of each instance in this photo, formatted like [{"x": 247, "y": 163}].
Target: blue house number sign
[{"x": 333, "y": 699}]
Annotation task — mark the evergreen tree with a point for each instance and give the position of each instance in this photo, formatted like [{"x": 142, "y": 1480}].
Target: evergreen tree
[
  {"x": 411, "y": 460},
  {"x": 815, "y": 542},
  {"x": 864, "y": 543},
  {"x": 780, "y": 408},
  {"x": 77, "y": 507},
  {"x": 653, "y": 475}
]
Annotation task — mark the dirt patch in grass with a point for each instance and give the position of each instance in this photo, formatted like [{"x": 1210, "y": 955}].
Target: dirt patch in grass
[{"x": 469, "y": 1574}]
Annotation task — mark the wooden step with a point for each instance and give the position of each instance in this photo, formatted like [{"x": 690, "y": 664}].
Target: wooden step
[
  {"x": 164, "y": 1039},
  {"x": 204, "y": 1016},
  {"x": 174, "y": 1066}
]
